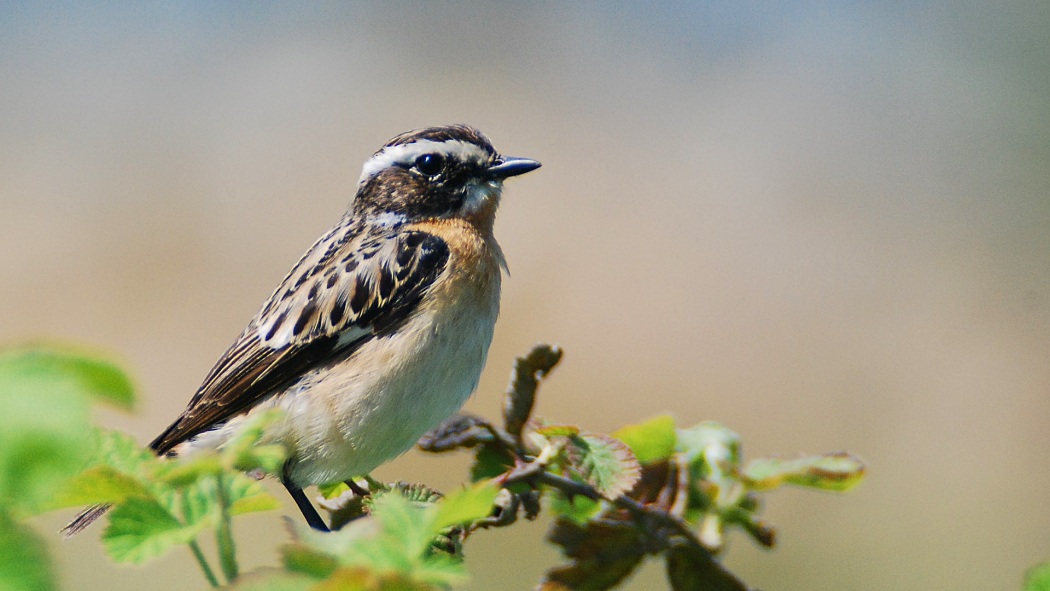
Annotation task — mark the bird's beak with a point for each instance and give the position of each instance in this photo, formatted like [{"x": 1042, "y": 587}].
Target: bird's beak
[{"x": 507, "y": 167}]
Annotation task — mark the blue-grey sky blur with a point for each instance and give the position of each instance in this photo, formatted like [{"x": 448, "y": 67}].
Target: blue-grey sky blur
[{"x": 825, "y": 225}]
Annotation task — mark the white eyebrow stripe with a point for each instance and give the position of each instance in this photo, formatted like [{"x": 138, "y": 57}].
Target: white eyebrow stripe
[{"x": 407, "y": 154}]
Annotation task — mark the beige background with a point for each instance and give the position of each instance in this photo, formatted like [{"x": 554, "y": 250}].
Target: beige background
[{"x": 826, "y": 227}]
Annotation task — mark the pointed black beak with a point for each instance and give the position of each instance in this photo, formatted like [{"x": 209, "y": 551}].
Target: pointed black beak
[{"x": 507, "y": 167}]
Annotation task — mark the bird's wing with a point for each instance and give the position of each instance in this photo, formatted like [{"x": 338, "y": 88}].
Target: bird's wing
[{"x": 351, "y": 286}]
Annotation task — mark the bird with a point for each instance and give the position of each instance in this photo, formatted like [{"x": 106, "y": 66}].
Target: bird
[{"x": 379, "y": 332}]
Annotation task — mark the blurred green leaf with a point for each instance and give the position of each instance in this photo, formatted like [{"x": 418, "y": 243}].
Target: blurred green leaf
[
  {"x": 57, "y": 368},
  {"x": 652, "y": 440},
  {"x": 332, "y": 489},
  {"x": 558, "y": 430},
  {"x": 24, "y": 564},
  {"x": 579, "y": 509},
  {"x": 304, "y": 559},
  {"x": 44, "y": 429},
  {"x": 835, "y": 471},
  {"x": 605, "y": 463},
  {"x": 466, "y": 505},
  {"x": 247, "y": 495},
  {"x": 1038, "y": 578},
  {"x": 711, "y": 443},
  {"x": 140, "y": 529},
  {"x": 189, "y": 470},
  {"x": 100, "y": 485},
  {"x": 489, "y": 462}
]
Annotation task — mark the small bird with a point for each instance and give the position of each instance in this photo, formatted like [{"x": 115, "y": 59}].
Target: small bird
[{"x": 379, "y": 332}]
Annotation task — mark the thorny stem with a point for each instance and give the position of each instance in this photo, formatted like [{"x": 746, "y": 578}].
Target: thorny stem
[{"x": 652, "y": 517}]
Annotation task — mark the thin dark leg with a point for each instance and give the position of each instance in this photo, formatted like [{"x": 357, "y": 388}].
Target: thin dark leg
[
  {"x": 356, "y": 488},
  {"x": 312, "y": 518}
]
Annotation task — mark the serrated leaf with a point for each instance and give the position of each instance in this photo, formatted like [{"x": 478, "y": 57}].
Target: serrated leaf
[
  {"x": 24, "y": 563},
  {"x": 1038, "y": 578},
  {"x": 466, "y": 505},
  {"x": 100, "y": 485},
  {"x": 835, "y": 471},
  {"x": 121, "y": 452},
  {"x": 605, "y": 463},
  {"x": 652, "y": 440},
  {"x": 410, "y": 527},
  {"x": 141, "y": 529}
]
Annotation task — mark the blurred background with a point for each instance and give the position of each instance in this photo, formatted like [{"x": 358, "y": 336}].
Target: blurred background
[{"x": 826, "y": 226}]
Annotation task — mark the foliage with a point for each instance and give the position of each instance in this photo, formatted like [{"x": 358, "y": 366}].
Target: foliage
[
  {"x": 45, "y": 394},
  {"x": 652, "y": 489}
]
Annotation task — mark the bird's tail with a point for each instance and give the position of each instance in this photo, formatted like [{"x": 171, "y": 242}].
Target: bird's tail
[{"x": 86, "y": 517}]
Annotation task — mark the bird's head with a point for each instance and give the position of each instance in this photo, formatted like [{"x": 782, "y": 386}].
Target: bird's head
[{"x": 433, "y": 173}]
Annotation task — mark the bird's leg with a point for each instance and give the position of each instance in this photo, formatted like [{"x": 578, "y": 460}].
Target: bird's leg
[
  {"x": 313, "y": 519},
  {"x": 356, "y": 488}
]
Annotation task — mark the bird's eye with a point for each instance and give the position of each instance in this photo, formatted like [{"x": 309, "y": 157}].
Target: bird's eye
[{"x": 430, "y": 164}]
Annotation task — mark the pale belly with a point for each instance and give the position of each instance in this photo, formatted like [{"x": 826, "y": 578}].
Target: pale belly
[{"x": 344, "y": 419}]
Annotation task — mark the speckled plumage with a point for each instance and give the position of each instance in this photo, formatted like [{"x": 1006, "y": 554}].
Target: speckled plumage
[{"x": 381, "y": 330}]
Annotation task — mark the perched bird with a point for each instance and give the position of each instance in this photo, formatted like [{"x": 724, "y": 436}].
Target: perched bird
[{"x": 379, "y": 332}]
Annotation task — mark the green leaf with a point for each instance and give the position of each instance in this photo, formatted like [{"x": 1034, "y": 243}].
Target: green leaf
[
  {"x": 711, "y": 443},
  {"x": 558, "y": 430},
  {"x": 605, "y": 463},
  {"x": 411, "y": 526},
  {"x": 466, "y": 505},
  {"x": 24, "y": 563},
  {"x": 579, "y": 509},
  {"x": 1038, "y": 578},
  {"x": 489, "y": 462},
  {"x": 304, "y": 559},
  {"x": 835, "y": 471},
  {"x": 44, "y": 429},
  {"x": 189, "y": 470},
  {"x": 332, "y": 490},
  {"x": 121, "y": 452},
  {"x": 56, "y": 368},
  {"x": 100, "y": 485},
  {"x": 240, "y": 451},
  {"x": 651, "y": 441},
  {"x": 247, "y": 495},
  {"x": 141, "y": 529}
]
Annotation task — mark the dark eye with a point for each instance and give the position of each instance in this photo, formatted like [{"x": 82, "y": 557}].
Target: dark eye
[{"x": 430, "y": 164}]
